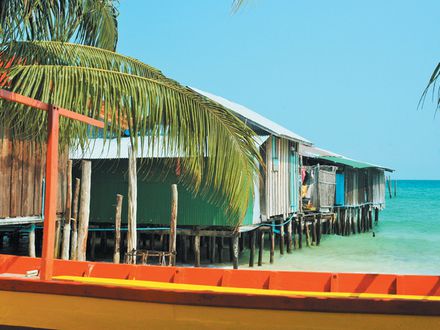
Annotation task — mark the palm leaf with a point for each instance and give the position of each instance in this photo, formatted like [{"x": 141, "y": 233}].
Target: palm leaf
[
  {"x": 91, "y": 22},
  {"x": 152, "y": 105}
]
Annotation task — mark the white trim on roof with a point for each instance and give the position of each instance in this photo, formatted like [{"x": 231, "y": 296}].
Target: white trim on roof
[{"x": 259, "y": 120}]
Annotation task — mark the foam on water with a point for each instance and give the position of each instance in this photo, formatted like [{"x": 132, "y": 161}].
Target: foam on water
[{"x": 407, "y": 240}]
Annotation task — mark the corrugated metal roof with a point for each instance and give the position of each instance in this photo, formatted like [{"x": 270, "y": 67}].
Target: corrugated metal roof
[
  {"x": 255, "y": 118},
  {"x": 314, "y": 152},
  {"x": 98, "y": 149}
]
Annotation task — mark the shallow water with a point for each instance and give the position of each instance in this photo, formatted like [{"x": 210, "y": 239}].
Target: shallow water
[{"x": 407, "y": 240}]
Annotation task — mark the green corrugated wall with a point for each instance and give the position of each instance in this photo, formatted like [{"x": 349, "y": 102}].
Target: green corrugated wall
[{"x": 109, "y": 177}]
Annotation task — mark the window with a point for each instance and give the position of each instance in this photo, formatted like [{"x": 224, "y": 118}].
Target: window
[{"x": 275, "y": 153}]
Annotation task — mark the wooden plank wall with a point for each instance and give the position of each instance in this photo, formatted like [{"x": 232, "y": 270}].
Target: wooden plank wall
[
  {"x": 277, "y": 180},
  {"x": 22, "y": 167}
]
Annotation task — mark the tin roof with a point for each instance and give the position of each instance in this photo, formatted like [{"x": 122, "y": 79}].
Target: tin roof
[
  {"x": 254, "y": 119},
  {"x": 314, "y": 152}
]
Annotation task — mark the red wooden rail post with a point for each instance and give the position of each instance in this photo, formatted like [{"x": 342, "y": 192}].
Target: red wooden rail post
[{"x": 50, "y": 202}]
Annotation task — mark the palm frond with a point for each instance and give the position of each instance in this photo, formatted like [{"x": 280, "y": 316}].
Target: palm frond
[
  {"x": 219, "y": 149},
  {"x": 432, "y": 85},
  {"x": 92, "y": 22}
]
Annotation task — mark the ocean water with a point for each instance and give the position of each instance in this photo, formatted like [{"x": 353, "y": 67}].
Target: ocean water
[{"x": 407, "y": 240}]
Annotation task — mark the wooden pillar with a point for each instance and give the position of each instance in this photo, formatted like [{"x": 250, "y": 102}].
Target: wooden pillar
[
  {"x": 370, "y": 218},
  {"x": 295, "y": 233},
  {"x": 92, "y": 245},
  {"x": 220, "y": 249},
  {"x": 56, "y": 254},
  {"x": 282, "y": 237},
  {"x": 184, "y": 248},
  {"x": 173, "y": 225},
  {"x": 300, "y": 231},
  {"x": 235, "y": 251},
  {"x": 272, "y": 242},
  {"x": 260, "y": 248},
  {"x": 74, "y": 219},
  {"x": 358, "y": 217},
  {"x": 376, "y": 215},
  {"x": 231, "y": 249},
  {"x": 314, "y": 232},
  {"x": 212, "y": 243},
  {"x": 307, "y": 230},
  {"x": 289, "y": 237},
  {"x": 318, "y": 229},
  {"x": 84, "y": 209},
  {"x": 118, "y": 214},
  {"x": 241, "y": 243},
  {"x": 31, "y": 241},
  {"x": 252, "y": 248},
  {"x": 197, "y": 250},
  {"x": 132, "y": 203},
  {"x": 68, "y": 214}
]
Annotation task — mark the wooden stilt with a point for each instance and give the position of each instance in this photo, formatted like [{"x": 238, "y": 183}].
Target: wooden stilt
[
  {"x": 118, "y": 214},
  {"x": 272, "y": 242},
  {"x": 295, "y": 233},
  {"x": 220, "y": 249},
  {"x": 31, "y": 243},
  {"x": 252, "y": 249},
  {"x": 74, "y": 219},
  {"x": 307, "y": 229},
  {"x": 318, "y": 229},
  {"x": 212, "y": 243},
  {"x": 241, "y": 243},
  {"x": 173, "y": 225},
  {"x": 151, "y": 241},
  {"x": 300, "y": 231},
  {"x": 289, "y": 237},
  {"x": 132, "y": 204},
  {"x": 57, "y": 239},
  {"x": 235, "y": 251},
  {"x": 282, "y": 238},
  {"x": 231, "y": 249},
  {"x": 184, "y": 251},
  {"x": 67, "y": 214},
  {"x": 260, "y": 248},
  {"x": 376, "y": 215},
  {"x": 84, "y": 209},
  {"x": 314, "y": 234},
  {"x": 197, "y": 250},
  {"x": 92, "y": 245}
]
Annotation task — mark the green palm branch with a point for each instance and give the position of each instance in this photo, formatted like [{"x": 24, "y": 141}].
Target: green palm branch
[
  {"x": 90, "y": 22},
  {"x": 219, "y": 152}
]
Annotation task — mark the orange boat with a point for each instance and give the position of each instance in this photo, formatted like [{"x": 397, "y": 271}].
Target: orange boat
[{"x": 103, "y": 295}]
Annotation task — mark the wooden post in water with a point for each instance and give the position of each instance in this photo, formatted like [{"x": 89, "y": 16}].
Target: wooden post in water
[
  {"x": 389, "y": 186},
  {"x": 57, "y": 239},
  {"x": 132, "y": 204},
  {"x": 252, "y": 249},
  {"x": 282, "y": 237},
  {"x": 235, "y": 251},
  {"x": 260, "y": 248},
  {"x": 395, "y": 188},
  {"x": 300, "y": 231},
  {"x": 173, "y": 225},
  {"x": 318, "y": 229},
  {"x": 197, "y": 250},
  {"x": 74, "y": 239},
  {"x": 84, "y": 209},
  {"x": 31, "y": 241},
  {"x": 118, "y": 214},
  {"x": 212, "y": 243},
  {"x": 272, "y": 242},
  {"x": 289, "y": 237},
  {"x": 67, "y": 215},
  {"x": 376, "y": 215}
]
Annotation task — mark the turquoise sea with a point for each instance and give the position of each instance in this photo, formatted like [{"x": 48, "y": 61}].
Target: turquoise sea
[{"x": 407, "y": 239}]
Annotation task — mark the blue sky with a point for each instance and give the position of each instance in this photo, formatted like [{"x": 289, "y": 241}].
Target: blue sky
[{"x": 345, "y": 74}]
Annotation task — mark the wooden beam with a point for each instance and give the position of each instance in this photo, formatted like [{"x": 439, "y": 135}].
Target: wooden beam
[
  {"x": 84, "y": 209},
  {"x": 118, "y": 213},
  {"x": 132, "y": 204},
  {"x": 173, "y": 225}
]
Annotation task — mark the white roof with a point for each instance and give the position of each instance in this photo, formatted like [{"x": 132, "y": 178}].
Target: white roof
[
  {"x": 314, "y": 152},
  {"x": 257, "y": 119},
  {"x": 98, "y": 149}
]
